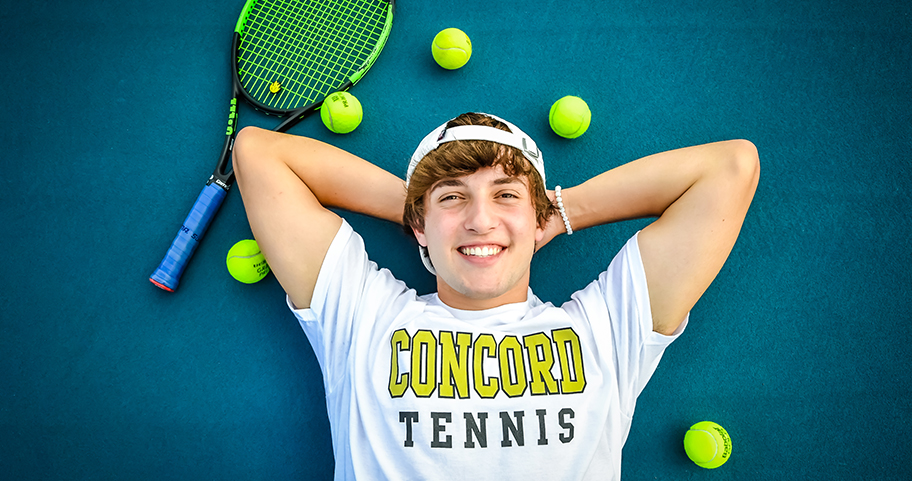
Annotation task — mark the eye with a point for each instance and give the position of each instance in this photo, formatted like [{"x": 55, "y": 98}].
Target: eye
[
  {"x": 448, "y": 197},
  {"x": 508, "y": 194}
]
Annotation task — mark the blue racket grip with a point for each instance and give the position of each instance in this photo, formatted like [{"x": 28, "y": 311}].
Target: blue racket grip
[{"x": 168, "y": 274}]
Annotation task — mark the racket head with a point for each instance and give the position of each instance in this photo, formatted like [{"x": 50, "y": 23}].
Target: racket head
[{"x": 291, "y": 54}]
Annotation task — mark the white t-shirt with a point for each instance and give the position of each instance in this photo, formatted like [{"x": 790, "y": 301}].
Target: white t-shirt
[{"x": 418, "y": 390}]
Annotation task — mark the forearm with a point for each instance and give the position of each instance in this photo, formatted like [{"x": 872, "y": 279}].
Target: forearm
[
  {"x": 337, "y": 178},
  {"x": 646, "y": 187}
]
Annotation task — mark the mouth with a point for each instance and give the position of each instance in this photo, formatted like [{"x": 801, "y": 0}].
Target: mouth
[{"x": 481, "y": 251}]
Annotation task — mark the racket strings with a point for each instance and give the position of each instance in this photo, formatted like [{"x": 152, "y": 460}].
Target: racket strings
[
  {"x": 286, "y": 44},
  {"x": 309, "y": 48}
]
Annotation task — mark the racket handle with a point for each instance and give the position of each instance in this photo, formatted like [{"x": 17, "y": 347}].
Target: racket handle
[{"x": 188, "y": 237}]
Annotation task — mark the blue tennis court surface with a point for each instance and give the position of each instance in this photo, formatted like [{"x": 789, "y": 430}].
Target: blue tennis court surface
[{"x": 113, "y": 115}]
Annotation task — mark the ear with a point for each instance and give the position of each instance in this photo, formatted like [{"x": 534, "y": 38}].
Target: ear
[{"x": 419, "y": 235}]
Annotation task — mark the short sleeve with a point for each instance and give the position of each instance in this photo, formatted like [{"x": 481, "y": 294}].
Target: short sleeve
[
  {"x": 617, "y": 308},
  {"x": 347, "y": 295}
]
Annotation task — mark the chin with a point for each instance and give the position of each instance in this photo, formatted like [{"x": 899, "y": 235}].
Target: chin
[
  {"x": 499, "y": 292},
  {"x": 488, "y": 288},
  {"x": 484, "y": 295}
]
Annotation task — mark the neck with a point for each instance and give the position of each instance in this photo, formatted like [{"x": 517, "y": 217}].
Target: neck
[{"x": 478, "y": 302}]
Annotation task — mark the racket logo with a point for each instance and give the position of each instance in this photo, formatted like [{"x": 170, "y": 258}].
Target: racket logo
[
  {"x": 217, "y": 181},
  {"x": 186, "y": 230},
  {"x": 232, "y": 117}
]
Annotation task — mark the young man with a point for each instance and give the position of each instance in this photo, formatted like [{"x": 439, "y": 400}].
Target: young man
[{"x": 482, "y": 380}]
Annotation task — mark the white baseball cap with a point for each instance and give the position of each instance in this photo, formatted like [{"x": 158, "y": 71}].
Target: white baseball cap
[{"x": 441, "y": 135}]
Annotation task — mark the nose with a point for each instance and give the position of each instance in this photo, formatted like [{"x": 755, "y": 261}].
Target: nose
[{"x": 481, "y": 216}]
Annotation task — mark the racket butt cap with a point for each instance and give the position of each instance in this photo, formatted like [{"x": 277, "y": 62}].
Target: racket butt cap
[{"x": 160, "y": 285}]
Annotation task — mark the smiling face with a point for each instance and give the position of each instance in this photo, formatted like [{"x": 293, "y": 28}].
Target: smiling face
[{"x": 480, "y": 230}]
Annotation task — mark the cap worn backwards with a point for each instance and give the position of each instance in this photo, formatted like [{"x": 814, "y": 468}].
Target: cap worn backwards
[{"x": 514, "y": 138}]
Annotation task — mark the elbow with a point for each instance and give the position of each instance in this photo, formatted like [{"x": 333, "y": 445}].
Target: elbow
[
  {"x": 247, "y": 144},
  {"x": 744, "y": 165},
  {"x": 748, "y": 159}
]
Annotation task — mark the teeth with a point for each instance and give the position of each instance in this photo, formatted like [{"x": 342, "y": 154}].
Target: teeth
[{"x": 481, "y": 251}]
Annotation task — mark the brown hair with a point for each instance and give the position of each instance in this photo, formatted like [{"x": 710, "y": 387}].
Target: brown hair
[{"x": 465, "y": 157}]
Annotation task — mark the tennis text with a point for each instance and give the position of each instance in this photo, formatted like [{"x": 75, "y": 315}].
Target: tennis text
[{"x": 513, "y": 428}]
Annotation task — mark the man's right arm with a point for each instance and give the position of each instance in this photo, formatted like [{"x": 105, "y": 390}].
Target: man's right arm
[{"x": 288, "y": 183}]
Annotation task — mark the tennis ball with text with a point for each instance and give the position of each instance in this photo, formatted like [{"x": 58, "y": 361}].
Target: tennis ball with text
[
  {"x": 341, "y": 112},
  {"x": 246, "y": 263},
  {"x": 707, "y": 444}
]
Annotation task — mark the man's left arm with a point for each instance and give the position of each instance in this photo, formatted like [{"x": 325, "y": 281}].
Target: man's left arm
[{"x": 699, "y": 194}]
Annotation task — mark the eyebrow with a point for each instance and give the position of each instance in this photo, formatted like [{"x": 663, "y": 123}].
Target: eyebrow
[
  {"x": 459, "y": 183},
  {"x": 447, "y": 183},
  {"x": 508, "y": 180}
]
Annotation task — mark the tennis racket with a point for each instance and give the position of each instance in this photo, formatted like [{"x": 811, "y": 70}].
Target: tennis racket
[{"x": 287, "y": 56}]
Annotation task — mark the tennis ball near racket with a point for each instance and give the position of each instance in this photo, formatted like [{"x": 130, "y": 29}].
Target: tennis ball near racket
[
  {"x": 451, "y": 48},
  {"x": 570, "y": 117},
  {"x": 246, "y": 263},
  {"x": 707, "y": 444},
  {"x": 341, "y": 112}
]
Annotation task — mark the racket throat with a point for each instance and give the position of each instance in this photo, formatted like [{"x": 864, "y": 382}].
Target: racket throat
[{"x": 213, "y": 179}]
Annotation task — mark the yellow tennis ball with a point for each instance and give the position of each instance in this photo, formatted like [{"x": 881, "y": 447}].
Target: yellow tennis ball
[
  {"x": 707, "y": 444},
  {"x": 451, "y": 48},
  {"x": 341, "y": 112},
  {"x": 569, "y": 117},
  {"x": 246, "y": 263}
]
